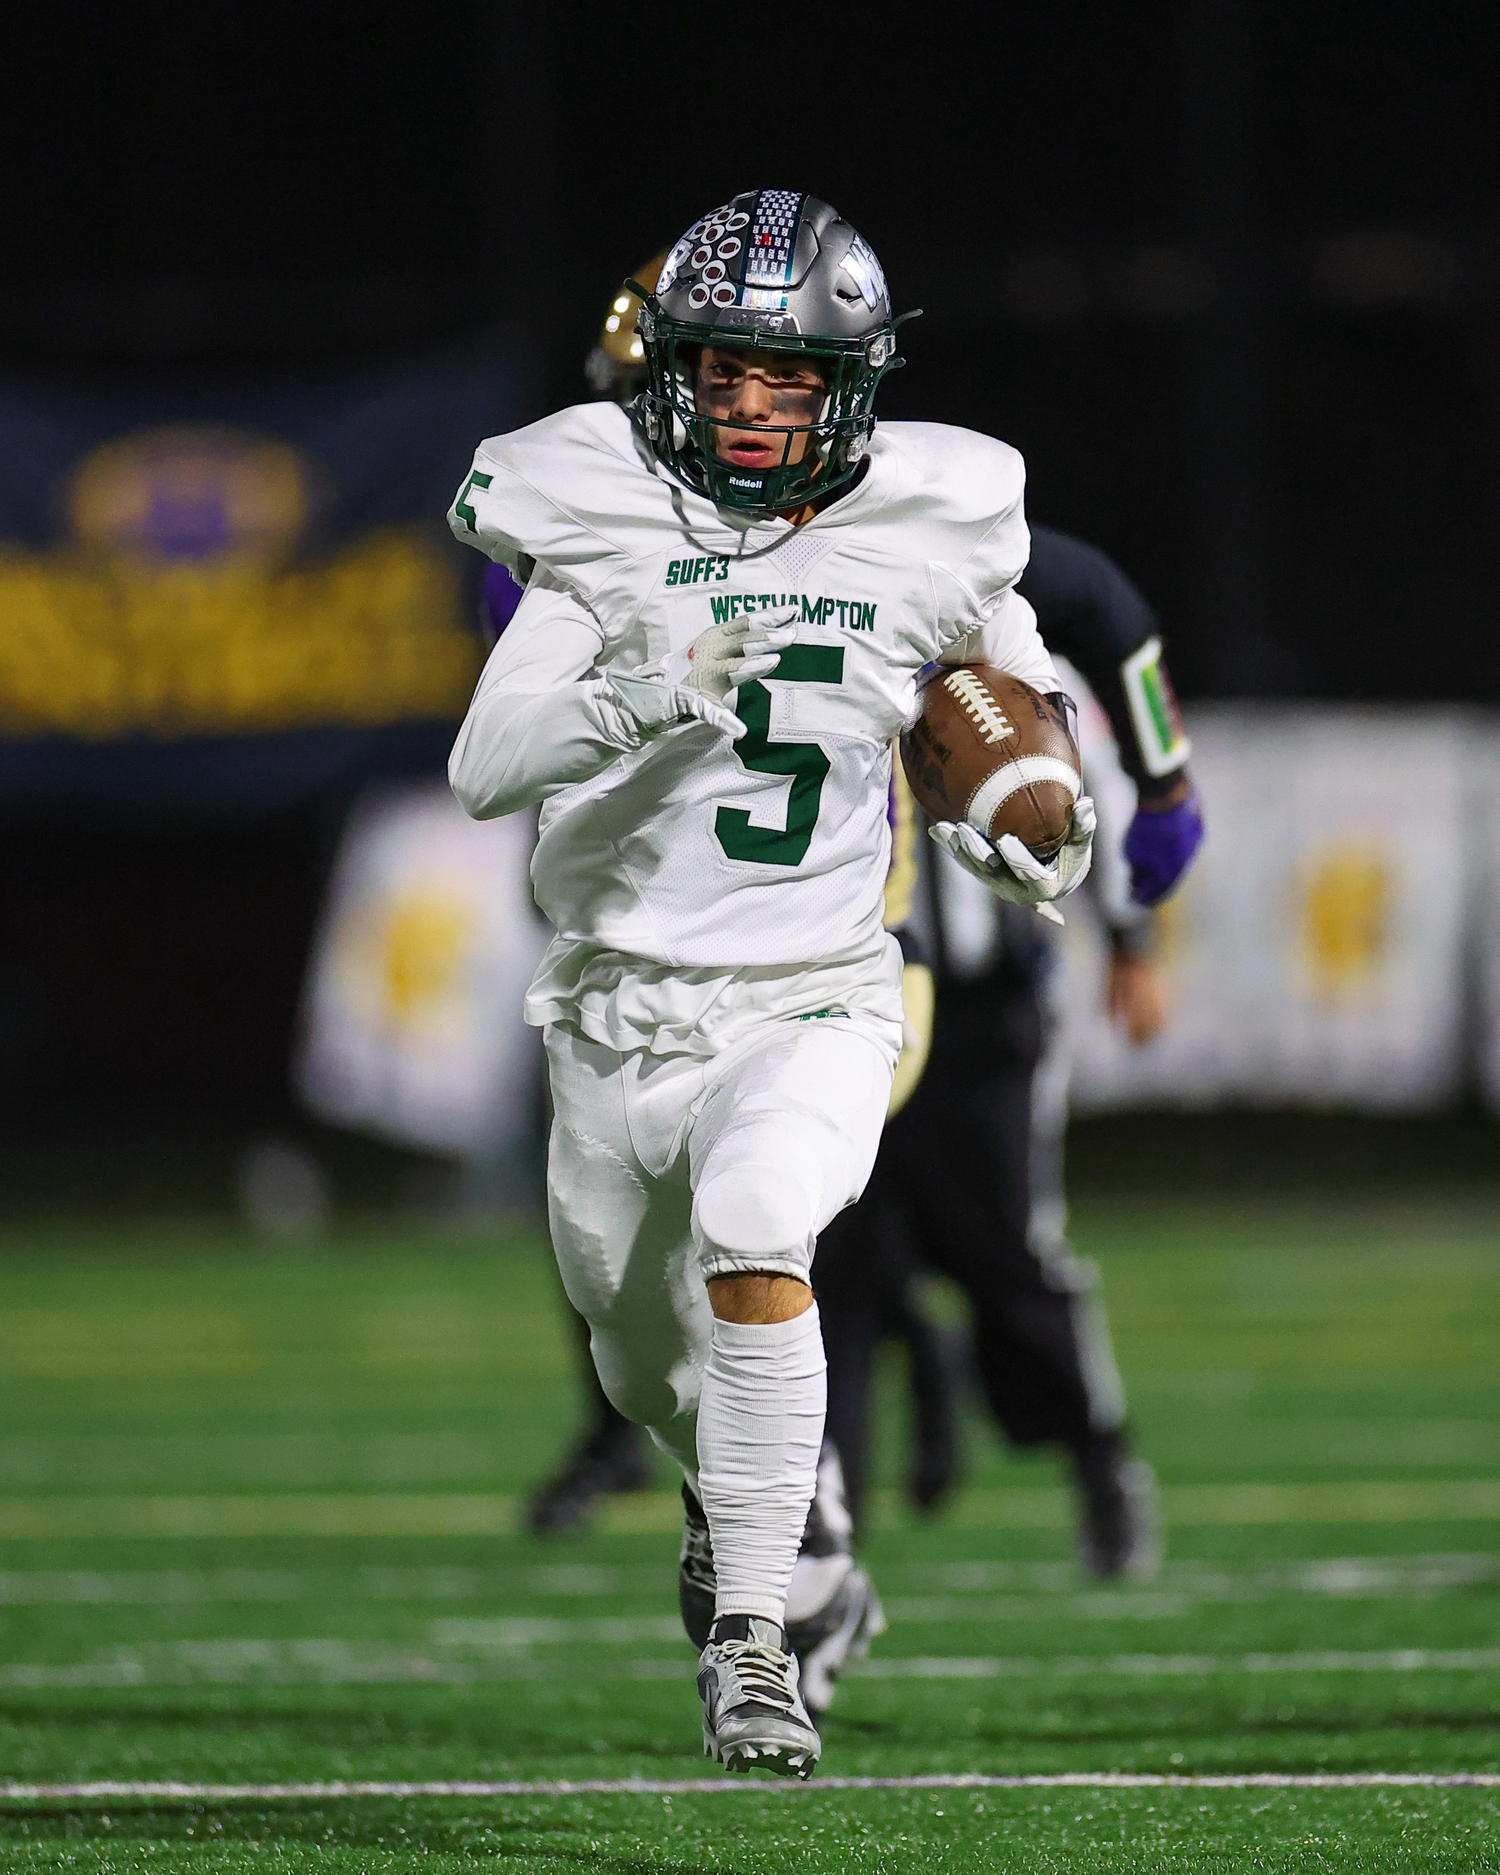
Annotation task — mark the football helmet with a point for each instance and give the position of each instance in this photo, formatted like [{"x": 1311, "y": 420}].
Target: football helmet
[
  {"x": 616, "y": 367},
  {"x": 771, "y": 270}
]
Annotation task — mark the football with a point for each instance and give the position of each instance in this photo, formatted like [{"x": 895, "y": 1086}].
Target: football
[{"x": 986, "y": 748}]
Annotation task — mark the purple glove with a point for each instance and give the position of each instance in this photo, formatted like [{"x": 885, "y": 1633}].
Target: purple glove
[
  {"x": 502, "y": 595},
  {"x": 1160, "y": 847}
]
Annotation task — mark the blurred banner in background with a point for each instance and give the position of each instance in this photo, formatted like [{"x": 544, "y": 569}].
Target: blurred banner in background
[
  {"x": 412, "y": 1024},
  {"x": 1484, "y": 953},
  {"x": 1318, "y": 953},
  {"x": 228, "y": 605},
  {"x": 220, "y": 598}
]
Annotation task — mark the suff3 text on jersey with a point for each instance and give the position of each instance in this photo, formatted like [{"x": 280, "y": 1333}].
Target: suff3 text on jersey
[{"x": 688, "y": 572}]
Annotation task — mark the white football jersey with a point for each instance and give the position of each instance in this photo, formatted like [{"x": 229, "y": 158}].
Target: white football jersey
[{"x": 698, "y": 852}]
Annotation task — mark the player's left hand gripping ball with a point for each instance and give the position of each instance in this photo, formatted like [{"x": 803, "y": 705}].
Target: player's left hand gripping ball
[
  {"x": 1012, "y": 871},
  {"x": 1160, "y": 846}
]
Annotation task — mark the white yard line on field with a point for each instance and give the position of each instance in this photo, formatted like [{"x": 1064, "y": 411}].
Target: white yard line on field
[
  {"x": 924, "y": 1591},
  {"x": 1353, "y": 1578},
  {"x": 670, "y": 1787},
  {"x": 331, "y": 1662},
  {"x": 1083, "y": 1666},
  {"x": 470, "y": 1513},
  {"x": 171, "y": 1587}
]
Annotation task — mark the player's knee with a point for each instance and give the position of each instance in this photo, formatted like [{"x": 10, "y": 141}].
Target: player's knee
[{"x": 756, "y": 1216}]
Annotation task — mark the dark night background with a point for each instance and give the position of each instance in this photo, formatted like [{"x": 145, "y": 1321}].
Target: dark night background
[{"x": 1228, "y": 273}]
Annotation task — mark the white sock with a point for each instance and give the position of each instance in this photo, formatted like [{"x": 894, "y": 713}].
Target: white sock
[{"x": 760, "y": 1425}]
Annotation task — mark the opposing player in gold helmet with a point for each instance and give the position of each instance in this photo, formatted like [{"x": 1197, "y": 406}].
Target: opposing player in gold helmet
[{"x": 616, "y": 367}]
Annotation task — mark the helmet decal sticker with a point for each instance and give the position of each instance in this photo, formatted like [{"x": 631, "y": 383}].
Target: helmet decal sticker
[
  {"x": 773, "y": 237},
  {"x": 694, "y": 253},
  {"x": 675, "y": 262},
  {"x": 865, "y": 271}
]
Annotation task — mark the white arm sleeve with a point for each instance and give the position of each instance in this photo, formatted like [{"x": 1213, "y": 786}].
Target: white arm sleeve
[
  {"x": 535, "y": 725},
  {"x": 1008, "y": 638}
]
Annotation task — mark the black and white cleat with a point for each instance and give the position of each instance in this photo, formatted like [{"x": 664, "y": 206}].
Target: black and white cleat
[
  {"x": 1119, "y": 1524},
  {"x": 697, "y": 1582},
  {"x": 838, "y": 1632},
  {"x": 832, "y": 1610},
  {"x": 753, "y": 1715}
]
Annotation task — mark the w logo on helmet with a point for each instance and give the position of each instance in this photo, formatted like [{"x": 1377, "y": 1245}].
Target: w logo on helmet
[{"x": 864, "y": 270}]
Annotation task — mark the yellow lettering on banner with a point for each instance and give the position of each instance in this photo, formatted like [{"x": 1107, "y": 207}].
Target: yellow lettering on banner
[
  {"x": 1344, "y": 926},
  {"x": 97, "y": 648},
  {"x": 424, "y": 944}
]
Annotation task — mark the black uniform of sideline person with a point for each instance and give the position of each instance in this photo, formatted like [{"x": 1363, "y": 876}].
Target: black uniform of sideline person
[{"x": 952, "y": 1190}]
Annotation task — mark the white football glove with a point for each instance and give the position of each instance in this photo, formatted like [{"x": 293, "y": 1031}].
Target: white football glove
[
  {"x": 648, "y": 705},
  {"x": 690, "y": 686},
  {"x": 726, "y": 656},
  {"x": 1012, "y": 871}
]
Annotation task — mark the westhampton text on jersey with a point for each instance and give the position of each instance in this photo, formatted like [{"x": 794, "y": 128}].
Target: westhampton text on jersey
[{"x": 855, "y": 615}]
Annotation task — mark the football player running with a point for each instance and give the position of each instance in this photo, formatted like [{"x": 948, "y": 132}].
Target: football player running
[
  {"x": 731, "y": 588},
  {"x": 832, "y": 1609}
]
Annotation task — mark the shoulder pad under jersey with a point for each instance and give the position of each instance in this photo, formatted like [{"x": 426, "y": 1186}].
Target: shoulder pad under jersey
[
  {"x": 962, "y": 494},
  {"x": 575, "y": 492}
]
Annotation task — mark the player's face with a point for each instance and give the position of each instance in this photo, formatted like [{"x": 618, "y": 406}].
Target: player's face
[{"x": 751, "y": 393}]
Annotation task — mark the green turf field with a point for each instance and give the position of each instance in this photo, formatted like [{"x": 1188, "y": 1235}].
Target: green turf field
[{"x": 258, "y": 1527}]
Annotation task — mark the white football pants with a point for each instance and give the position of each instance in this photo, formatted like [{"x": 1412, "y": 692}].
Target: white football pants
[{"x": 664, "y": 1170}]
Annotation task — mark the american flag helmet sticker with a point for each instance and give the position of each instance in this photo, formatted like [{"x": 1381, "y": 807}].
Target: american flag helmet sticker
[{"x": 772, "y": 245}]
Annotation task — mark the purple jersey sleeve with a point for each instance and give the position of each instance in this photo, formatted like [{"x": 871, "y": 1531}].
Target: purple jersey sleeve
[
  {"x": 501, "y": 595},
  {"x": 1160, "y": 847}
]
